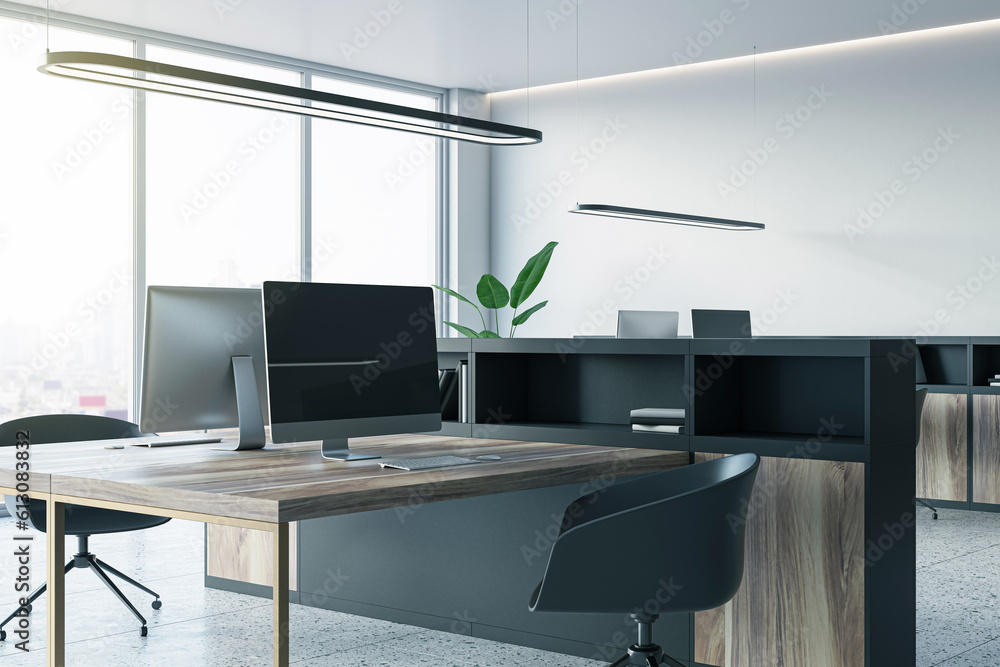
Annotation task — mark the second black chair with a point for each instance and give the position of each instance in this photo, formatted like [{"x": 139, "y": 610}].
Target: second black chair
[
  {"x": 662, "y": 543},
  {"x": 80, "y": 521}
]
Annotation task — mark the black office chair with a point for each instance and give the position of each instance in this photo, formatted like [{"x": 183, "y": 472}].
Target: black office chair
[
  {"x": 921, "y": 397},
  {"x": 80, "y": 521},
  {"x": 663, "y": 543}
]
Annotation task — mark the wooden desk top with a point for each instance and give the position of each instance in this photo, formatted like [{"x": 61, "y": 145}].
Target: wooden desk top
[{"x": 290, "y": 482}]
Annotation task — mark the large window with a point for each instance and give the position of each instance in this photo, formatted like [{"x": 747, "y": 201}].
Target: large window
[
  {"x": 65, "y": 231},
  {"x": 224, "y": 206},
  {"x": 222, "y": 184},
  {"x": 374, "y": 200}
]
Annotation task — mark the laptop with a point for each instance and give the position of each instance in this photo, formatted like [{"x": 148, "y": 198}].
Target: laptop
[
  {"x": 647, "y": 323},
  {"x": 721, "y": 324}
]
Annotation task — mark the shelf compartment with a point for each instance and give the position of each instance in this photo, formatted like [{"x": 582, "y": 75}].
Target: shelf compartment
[
  {"x": 771, "y": 395},
  {"x": 985, "y": 364},
  {"x": 598, "y": 389},
  {"x": 945, "y": 363}
]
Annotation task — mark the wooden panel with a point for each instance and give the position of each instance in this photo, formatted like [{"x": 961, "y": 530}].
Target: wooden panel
[
  {"x": 942, "y": 463},
  {"x": 243, "y": 554},
  {"x": 986, "y": 449},
  {"x": 292, "y": 482},
  {"x": 802, "y": 599},
  {"x": 710, "y": 626}
]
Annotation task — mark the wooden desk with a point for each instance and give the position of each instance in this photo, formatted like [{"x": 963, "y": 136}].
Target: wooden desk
[{"x": 266, "y": 489}]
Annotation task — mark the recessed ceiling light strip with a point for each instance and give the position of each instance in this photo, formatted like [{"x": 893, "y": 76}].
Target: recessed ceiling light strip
[{"x": 201, "y": 84}]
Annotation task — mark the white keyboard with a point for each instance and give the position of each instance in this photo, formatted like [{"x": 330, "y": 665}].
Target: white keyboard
[
  {"x": 427, "y": 462},
  {"x": 167, "y": 441}
]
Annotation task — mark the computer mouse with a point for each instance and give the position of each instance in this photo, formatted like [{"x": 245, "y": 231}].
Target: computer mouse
[{"x": 488, "y": 457}]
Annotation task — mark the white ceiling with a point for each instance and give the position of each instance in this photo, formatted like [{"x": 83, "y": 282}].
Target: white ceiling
[{"x": 481, "y": 44}]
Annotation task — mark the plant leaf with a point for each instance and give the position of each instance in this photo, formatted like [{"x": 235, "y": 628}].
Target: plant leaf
[
  {"x": 486, "y": 333},
  {"x": 465, "y": 331},
  {"x": 531, "y": 275},
  {"x": 455, "y": 294},
  {"x": 491, "y": 292},
  {"x": 523, "y": 317}
]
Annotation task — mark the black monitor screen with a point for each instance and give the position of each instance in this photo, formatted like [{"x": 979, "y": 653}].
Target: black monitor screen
[{"x": 342, "y": 359}]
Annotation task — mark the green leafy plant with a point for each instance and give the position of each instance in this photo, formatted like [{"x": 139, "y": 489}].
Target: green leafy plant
[{"x": 494, "y": 295}]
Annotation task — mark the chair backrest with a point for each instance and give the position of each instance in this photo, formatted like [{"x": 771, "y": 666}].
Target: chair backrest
[
  {"x": 921, "y": 397},
  {"x": 667, "y": 542},
  {"x": 44, "y": 429},
  {"x": 67, "y": 428}
]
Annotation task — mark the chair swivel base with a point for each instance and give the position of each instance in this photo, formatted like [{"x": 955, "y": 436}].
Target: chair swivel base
[
  {"x": 85, "y": 559},
  {"x": 644, "y": 652},
  {"x": 646, "y": 656}
]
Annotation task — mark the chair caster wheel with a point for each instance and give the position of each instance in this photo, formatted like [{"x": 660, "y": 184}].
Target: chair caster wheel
[
  {"x": 157, "y": 604},
  {"x": 935, "y": 516},
  {"x": 3, "y": 635},
  {"x": 142, "y": 631}
]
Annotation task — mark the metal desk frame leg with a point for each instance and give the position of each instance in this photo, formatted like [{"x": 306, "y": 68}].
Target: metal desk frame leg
[
  {"x": 55, "y": 577},
  {"x": 279, "y": 589}
]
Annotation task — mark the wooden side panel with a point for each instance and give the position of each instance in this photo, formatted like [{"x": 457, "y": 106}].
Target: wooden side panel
[
  {"x": 942, "y": 464},
  {"x": 242, "y": 554},
  {"x": 986, "y": 449},
  {"x": 803, "y": 594},
  {"x": 710, "y": 626}
]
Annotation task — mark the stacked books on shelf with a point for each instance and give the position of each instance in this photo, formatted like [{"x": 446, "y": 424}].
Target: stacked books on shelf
[
  {"x": 995, "y": 380},
  {"x": 658, "y": 420}
]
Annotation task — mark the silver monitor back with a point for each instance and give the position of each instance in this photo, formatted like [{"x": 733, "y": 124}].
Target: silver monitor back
[
  {"x": 198, "y": 342},
  {"x": 647, "y": 323}
]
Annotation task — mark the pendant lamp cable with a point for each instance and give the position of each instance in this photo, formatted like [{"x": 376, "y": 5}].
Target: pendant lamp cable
[
  {"x": 577, "y": 98},
  {"x": 756, "y": 182},
  {"x": 46, "y": 26},
  {"x": 527, "y": 63}
]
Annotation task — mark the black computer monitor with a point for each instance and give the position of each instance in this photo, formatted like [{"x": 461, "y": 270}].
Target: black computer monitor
[
  {"x": 203, "y": 362},
  {"x": 720, "y": 324},
  {"x": 348, "y": 361}
]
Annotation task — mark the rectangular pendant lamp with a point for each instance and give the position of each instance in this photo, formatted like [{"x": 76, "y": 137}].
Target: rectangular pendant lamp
[
  {"x": 187, "y": 82},
  {"x": 648, "y": 215}
]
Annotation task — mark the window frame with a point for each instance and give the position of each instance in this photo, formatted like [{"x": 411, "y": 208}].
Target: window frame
[{"x": 305, "y": 70}]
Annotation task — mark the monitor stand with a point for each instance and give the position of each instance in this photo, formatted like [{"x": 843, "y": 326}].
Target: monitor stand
[
  {"x": 336, "y": 449},
  {"x": 251, "y": 419}
]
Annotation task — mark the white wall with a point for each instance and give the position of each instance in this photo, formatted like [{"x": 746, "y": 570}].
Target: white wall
[{"x": 683, "y": 131}]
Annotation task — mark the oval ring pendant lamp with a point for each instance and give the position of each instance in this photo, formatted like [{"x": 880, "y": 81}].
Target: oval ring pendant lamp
[
  {"x": 650, "y": 215},
  {"x": 201, "y": 84}
]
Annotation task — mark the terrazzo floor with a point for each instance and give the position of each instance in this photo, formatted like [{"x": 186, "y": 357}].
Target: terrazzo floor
[{"x": 958, "y": 610}]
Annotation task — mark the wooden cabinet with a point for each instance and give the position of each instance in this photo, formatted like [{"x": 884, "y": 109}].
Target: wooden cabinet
[
  {"x": 942, "y": 453},
  {"x": 986, "y": 449}
]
